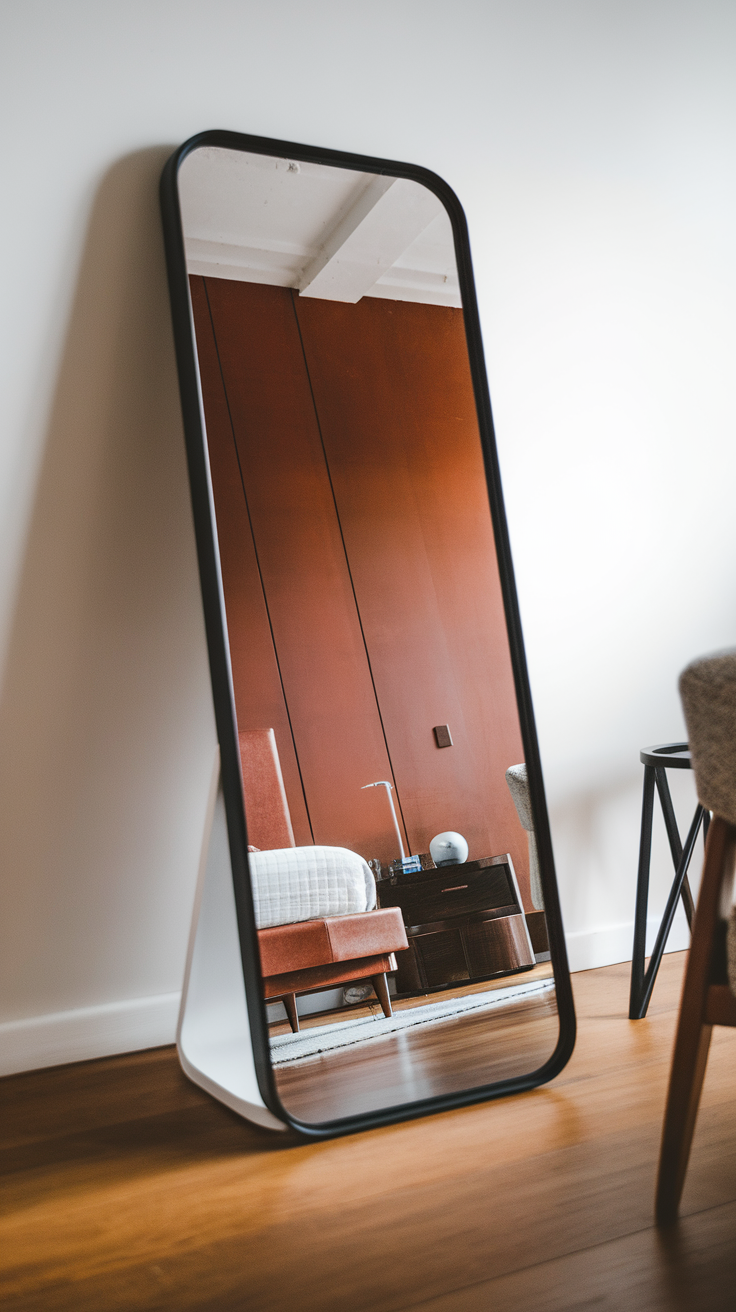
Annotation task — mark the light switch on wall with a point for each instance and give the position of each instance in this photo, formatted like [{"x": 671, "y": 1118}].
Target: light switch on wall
[{"x": 442, "y": 735}]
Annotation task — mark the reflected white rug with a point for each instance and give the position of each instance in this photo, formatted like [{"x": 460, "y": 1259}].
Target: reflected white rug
[{"x": 363, "y": 1029}]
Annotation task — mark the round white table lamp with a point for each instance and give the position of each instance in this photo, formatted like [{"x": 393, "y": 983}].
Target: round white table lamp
[{"x": 448, "y": 849}]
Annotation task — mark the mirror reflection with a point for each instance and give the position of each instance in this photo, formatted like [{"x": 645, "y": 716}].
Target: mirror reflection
[{"x": 396, "y": 888}]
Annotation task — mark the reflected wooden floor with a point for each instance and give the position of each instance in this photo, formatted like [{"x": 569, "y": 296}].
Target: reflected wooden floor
[
  {"x": 126, "y": 1189},
  {"x": 439, "y": 1058}
]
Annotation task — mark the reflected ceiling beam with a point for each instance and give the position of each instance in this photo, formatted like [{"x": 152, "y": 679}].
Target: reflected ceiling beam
[{"x": 387, "y": 217}]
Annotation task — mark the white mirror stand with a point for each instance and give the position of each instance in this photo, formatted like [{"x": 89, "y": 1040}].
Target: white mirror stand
[{"x": 213, "y": 1034}]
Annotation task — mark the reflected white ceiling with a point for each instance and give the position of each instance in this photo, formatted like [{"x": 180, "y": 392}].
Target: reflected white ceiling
[{"x": 331, "y": 233}]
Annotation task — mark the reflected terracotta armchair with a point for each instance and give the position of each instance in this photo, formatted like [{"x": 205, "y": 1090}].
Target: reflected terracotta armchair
[{"x": 310, "y": 955}]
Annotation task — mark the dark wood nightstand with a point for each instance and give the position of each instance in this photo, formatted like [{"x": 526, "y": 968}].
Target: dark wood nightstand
[{"x": 462, "y": 922}]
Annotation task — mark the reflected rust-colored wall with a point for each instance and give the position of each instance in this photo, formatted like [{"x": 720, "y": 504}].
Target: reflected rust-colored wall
[
  {"x": 258, "y": 691},
  {"x": 299, "y": 660},
  {"x": 359, "y": 568}
]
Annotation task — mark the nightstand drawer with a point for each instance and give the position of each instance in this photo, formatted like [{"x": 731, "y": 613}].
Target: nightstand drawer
[{"x": 450, "y": 893}]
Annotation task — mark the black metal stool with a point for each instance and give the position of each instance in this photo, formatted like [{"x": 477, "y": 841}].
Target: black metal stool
[{"x": 656, "y": 762}]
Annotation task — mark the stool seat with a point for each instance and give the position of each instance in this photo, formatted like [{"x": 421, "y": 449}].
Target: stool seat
[{"x": 673, "y": 756}]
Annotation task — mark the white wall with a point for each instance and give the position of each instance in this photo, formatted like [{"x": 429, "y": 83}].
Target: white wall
[{"x": 591, "y": 143}]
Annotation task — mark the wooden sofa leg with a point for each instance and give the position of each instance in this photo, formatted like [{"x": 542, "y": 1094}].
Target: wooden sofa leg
[
  {"x": 289, "y": 1001},
  {"x": 380, "y": 984}
]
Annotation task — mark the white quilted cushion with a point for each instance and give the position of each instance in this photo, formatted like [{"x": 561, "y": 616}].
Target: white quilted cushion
[{"x": 305, "y": 883}]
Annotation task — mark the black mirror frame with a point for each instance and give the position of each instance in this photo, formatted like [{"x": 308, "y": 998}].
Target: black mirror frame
[{"x": 217, "y": 641}]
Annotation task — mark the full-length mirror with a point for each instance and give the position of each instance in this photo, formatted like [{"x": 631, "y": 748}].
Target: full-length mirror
[{"x": 403, "y": 896}]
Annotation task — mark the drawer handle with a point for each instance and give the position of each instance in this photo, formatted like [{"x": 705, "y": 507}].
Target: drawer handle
[{"x": 454, "y": 888}]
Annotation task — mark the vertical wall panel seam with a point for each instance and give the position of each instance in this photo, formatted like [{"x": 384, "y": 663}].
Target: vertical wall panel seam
[
  {"x": 258, "y": 561},
  {"x": 350, "y": 572}
]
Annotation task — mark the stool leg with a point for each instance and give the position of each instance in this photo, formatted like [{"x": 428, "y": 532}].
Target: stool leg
[
  {"x": 690, "y": 907},
  {"x": 669, "y": 913},
  {"x": 668, "y": 811},
  {"x": 642, "y": 897},
  {"x": 673, "y": 835},
  {"x": 380, "y": 984},
  {"x": 687, "y": 896},
  {"x": 688, "y": 902}
]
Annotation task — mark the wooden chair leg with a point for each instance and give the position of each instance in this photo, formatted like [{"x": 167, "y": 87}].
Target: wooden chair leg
[
  {"x": 693, "y": 1032},
  {"x": 289, "y": 1001},
  {"x": 380, "y": 984},
  {"x": 686, "y": 1083}
]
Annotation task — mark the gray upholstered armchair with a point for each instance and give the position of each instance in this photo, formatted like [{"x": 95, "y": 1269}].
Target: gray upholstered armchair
[
  {"x": 708, "y": 692},
  {"x": 517, "y": 779}
]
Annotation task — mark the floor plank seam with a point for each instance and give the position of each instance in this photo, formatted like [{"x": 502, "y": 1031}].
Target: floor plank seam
[{"x": 565, "y": 1256}]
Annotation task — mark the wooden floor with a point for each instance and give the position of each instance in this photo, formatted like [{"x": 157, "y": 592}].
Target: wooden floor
[
  {"x": 126, "y": 1188},
  {"x": 444, "y": 1057}
]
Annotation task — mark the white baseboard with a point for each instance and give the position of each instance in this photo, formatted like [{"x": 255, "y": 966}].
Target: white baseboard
[
  {"x": 115, "y": 1027},
  {"x": 590, "y": 948},
  {"x": 88, "y": 1032}
]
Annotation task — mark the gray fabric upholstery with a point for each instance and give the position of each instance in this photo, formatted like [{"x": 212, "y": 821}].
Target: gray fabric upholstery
[
  {"x": 518, "y": 782},
  {"x": 708, "y": 692},
  {"x": 731, "y": 944}
]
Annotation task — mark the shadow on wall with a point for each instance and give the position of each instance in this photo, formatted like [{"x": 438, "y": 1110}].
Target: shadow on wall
[{"x": 106, "y": 728}]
